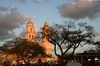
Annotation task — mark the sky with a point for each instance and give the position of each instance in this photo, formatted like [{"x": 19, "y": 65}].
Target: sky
[{"x": 15, "y": 13}]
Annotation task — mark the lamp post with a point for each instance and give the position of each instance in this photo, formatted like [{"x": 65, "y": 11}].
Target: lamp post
[
  {"x": 89, "y": 59},
  {"x": 95, "y": 59}
]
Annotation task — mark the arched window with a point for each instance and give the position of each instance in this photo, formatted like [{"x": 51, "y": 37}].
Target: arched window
[
  {"x": 29, "y": 36},
  {"x": 32, "y": 37},
  {"x": 30, "y": 29}
]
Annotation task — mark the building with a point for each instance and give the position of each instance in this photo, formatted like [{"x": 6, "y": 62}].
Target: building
[
  {"x": 88, "y": 58},
  {"x": 30, "y": 34},
  {"x": 45, "y": 41},
  {"x": 29, "y": 31}
]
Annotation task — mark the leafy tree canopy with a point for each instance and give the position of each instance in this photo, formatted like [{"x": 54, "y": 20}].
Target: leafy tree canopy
[
  {"x": 69, "y": 36},
  {"x": 23, "y": 49}
]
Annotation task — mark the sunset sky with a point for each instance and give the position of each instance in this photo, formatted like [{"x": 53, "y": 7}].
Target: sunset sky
[{"x": 14, "y": 14}]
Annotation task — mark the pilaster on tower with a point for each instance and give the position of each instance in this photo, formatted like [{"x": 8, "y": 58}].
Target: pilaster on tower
[{"x": 29, "y": 31}]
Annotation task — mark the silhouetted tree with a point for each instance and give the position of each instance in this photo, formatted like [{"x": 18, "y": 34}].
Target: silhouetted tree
[
  {"x": 69, "y": 36},
  {"x": 97, "y": 45}
]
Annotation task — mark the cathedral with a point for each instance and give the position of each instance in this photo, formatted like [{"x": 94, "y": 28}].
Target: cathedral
[{"x": 30, "y": 34}]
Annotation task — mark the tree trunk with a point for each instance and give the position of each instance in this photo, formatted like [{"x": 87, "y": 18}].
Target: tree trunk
[{"x": 61, "y": 60}]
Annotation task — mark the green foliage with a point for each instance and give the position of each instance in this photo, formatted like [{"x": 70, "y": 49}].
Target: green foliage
[{"x": 23, "y": 49}]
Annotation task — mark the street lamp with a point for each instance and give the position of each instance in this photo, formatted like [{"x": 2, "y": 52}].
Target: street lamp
[
  {"x": 89, "y": 59},
  {"x": 95, "y": 59}
]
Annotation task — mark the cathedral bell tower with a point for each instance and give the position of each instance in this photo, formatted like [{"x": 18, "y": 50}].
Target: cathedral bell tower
[
  {"x": 29, "y": 31},
  {"x": 45, "y": 41}
]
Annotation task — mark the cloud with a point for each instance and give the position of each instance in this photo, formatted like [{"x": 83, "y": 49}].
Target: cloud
[
  {"x": 34, "y": 1},
  {"x": 21, "y": 1},
  {"x": 22, "y": 34},
  {"x": 9, "y": 20},
  {"x": 97, "y": 38},
  {"x": 3, "y": 8},
  {"x": 80, "y": 9},
  {"x": 40, "y": 1}
]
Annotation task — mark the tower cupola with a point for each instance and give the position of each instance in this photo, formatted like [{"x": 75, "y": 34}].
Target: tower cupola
[{"x": 29, "y": 31}]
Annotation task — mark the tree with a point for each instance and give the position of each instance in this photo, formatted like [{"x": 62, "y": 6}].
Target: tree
[
  {"x": 22, "y": 49},
  {"x": 69, "y": 36},
  {"x": 97, "y": 45}
]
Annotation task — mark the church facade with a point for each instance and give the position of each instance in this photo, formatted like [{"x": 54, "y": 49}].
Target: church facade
[{"x": 30, "y": 35}]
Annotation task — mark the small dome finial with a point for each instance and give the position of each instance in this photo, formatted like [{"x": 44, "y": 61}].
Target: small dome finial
[
  {"x": 46, "y": 23},
  {"x": 30, "y": 20}
]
